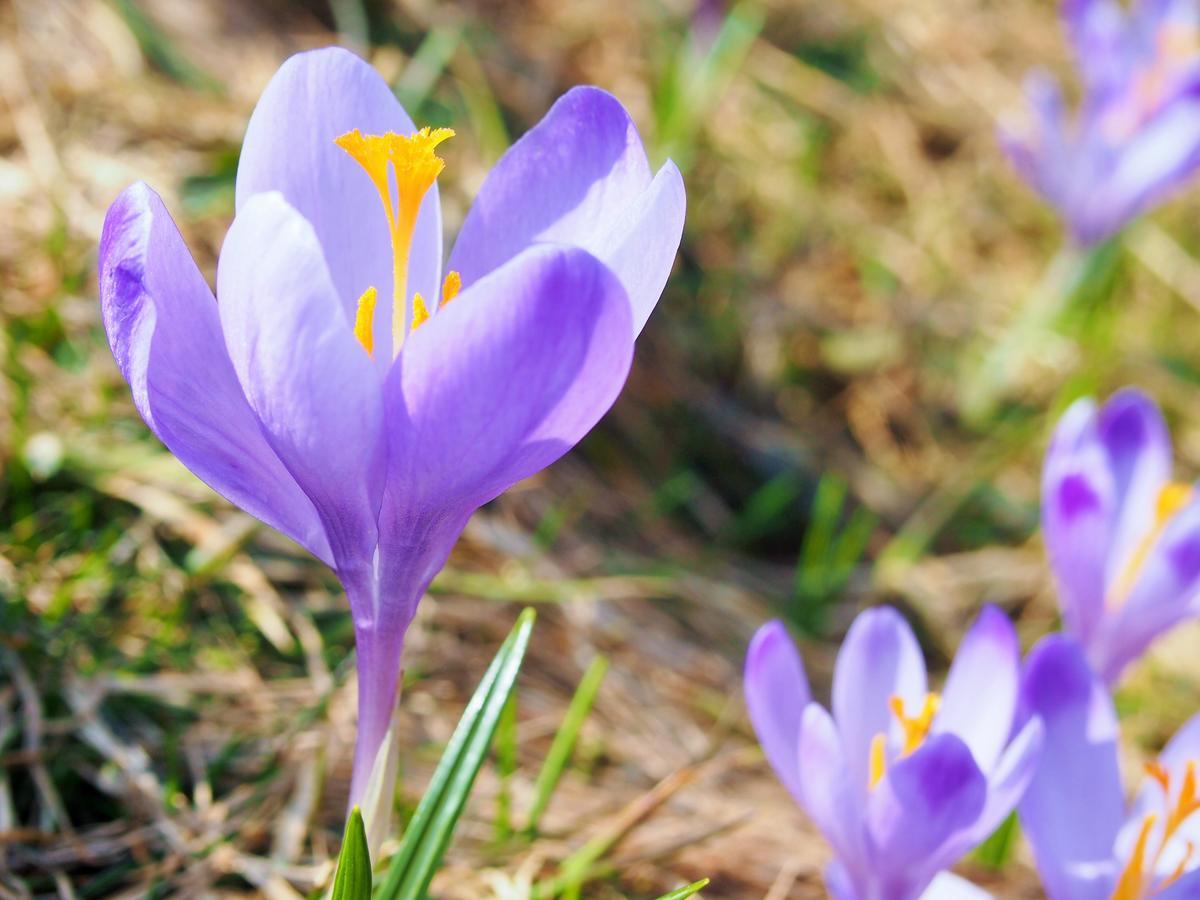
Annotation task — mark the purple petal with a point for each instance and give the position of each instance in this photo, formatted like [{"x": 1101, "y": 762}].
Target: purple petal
[
  {"x": 1135, "y": 438},
  {"x": 980, "y": 696},
  {"x": 923, "y": 801},
  {"x": 1165, "y": 593},
  {"x": 579, "y": 177},
  {"x": 641, "y": 244},
  {"x": 827, "y": 793},
  {"x": 1073, "y": 807},
  {"x": 497, "y": 386},
  {"x": 879, "y": 658},
  {"x": 1157, "y": 159},
  {"x": 776, "y": 695},
  {"x": 1097, "y": 29},
  {"x": 314, "y": 98},
  {"x": 312, "y": 386},
  {"x": 163, "y": 327},
  {"x": 1186, "y": 888},
  {"x": 1008, "y": 783},
  {"x": 1078, "y": 517}
]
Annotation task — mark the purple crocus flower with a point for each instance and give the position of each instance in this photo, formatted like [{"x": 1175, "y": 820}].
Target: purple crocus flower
[
  {"x": 901, "y": 782},
  {"x": 1089, "y": 845},
  {"x": 1123, "y": 539},
  {"x": 1136, "y": 136},
  {"x": 329, "y": 392}
]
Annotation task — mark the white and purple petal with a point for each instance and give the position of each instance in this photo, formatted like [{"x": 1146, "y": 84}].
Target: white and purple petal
[
  {"x": 1074, "y": 806},
  {"x": 880, "y": 658},
  {"x": 979, "y": 699},
  {"x": 777, "y": 693},
  {"x": 165, "y": 333},
  {"x": 311, "y": 385}
]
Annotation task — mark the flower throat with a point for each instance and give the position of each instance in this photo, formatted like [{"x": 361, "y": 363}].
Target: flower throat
[{"x": 416, "y": 168}]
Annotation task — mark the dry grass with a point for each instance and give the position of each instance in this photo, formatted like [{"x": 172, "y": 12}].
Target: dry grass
[{"x": 176, "y": 713}]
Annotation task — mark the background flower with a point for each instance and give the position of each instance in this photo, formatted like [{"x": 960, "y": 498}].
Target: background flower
[
  {"x": 900, "y": 781},
  {"x": 1136, "y": 136},
  {"x": 1122, "y": 538},
  {"x": 1088, "y": 843}
]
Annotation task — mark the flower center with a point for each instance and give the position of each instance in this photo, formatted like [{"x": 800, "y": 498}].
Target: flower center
[
  {"x": 1137, "y": 880},
  {"x": 416, "y": 167},
  {"x": 914, "y": 728},
  {"x": 1173, "y": 497}
]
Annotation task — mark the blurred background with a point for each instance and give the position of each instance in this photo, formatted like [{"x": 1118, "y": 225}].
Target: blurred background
[{"x": 176, "y": 681}]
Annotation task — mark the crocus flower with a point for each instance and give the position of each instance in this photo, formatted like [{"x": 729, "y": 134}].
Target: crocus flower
[
  {"x": 1088, "y": 843},
  {"x": 1123, "y": 539},
  {"x": 1136, "y": 136},
  {"x": 902, "y": 782},
  {"x": 344, "y": 392}
]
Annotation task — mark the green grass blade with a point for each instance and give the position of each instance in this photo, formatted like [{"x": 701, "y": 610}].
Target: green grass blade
[
  {"x": 353, "y": 880},
  {"x": 684, "y": 892},
  {"x": 564, "y": 741},
  {"x": 412, "y": 868}
]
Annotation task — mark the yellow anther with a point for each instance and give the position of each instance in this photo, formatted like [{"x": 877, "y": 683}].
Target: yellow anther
[
  {"x": 1172, "y": 498},
  {"x": 451, "y": 287},
  {"x": 416, "y": 168},
  {"x": 1177, "y": 42},
  {"x": 878, "y": 760},
  {"x": 1132, "y": 881},
  {"x": 420, "y": 311},
  {"x": 915, "y": 728},
  {"x": 364, "y": 320},
  {"x": 1137, "y": 878}
]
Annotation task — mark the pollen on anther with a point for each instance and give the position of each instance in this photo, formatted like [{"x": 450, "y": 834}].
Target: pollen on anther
[
  {"x": 451, "y": 287},
  {"x": 420, "y": 311},
  {"x": 364, "y": 320}
]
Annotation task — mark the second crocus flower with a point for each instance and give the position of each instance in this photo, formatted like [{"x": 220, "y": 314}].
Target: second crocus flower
[
  {"x": 901, "y": 781},
  {"x": 1088, "y": 843},
  {"x": 1123, "y": 538}
]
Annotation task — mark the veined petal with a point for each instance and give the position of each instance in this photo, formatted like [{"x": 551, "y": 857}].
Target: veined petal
[
  {"x": 314, "y": 98},
  {"x": 165, "y": 334},
  {"x": 879, "y": 658},
  {"x": 313, "y": 388},
  {"x": 776, "y": 694},
  {"x": 980, "y": 696},
  {"x": 497, "y": 386},
  {"x": 1078, "y": 517},
  {"x": 921, "y": 803},
  {"x": 1138, "y": 446},
  {"x": 1073, "y": 807},
  {"x": 571, "y": 179}
]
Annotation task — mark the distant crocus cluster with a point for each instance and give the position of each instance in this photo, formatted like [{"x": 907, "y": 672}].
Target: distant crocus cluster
[
  {"x": 1136, "y": 135},
  {"x": 903, "y": 781}
]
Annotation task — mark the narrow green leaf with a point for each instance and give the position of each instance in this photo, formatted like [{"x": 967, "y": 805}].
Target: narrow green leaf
[
  {"x": 684, "y": 892},
  {"x": 506, "y": 767},
  {"x": 353, "y": 880},
  {"x": 564, "y": 741},
  {"x": 998, "y": 849},
  {"x": 428, "y": 834}
]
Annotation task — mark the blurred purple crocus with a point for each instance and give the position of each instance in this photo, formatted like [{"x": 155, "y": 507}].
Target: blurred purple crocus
[
  {"x": 1123, "y": 538},
  {"x": 1089, "y": 845},
  {"x": 1136, "y": 136},
  {"x": 901, "y": 782},
  {"x": 344, "y": 392}
]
